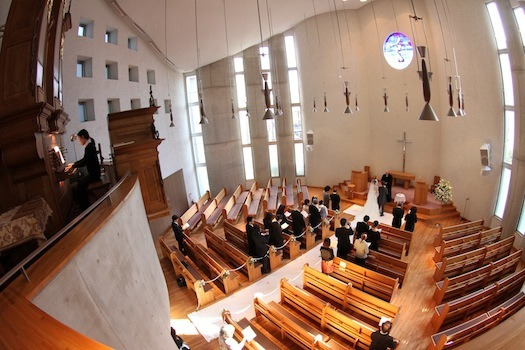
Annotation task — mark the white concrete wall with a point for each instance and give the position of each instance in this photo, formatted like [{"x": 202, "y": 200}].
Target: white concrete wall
[
  {"x": 175, "y": 151},
  {"x": 114, "y": 290}
]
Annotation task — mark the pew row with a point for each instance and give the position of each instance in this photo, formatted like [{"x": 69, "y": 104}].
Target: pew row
[
  {"x": 461, "y": 309},
  {"x": 457, "y": 231},
  {"x": 251, "y": 204},
  {"x": 233, "y": 207},
  {"x": 461, "y": 263},
  {"x": 366, "y": 307},
  {"x": 212, "y": 214},
  {"x": 476, "y": 279},
  {"x": 371, "y": 282},
  {"x": 465, "y": 331},
  {"x": 270, "y": 197},
  {"x": 302, "y": 192},
  {"x": 395, "y": 234},
  {"x": 467, "y": 243},
  {"x": 384, "y": 264},
  {"x": 261, "y": 341},
  {"x": 231, "y": 254},
  {"x": 287, "y": 194}
]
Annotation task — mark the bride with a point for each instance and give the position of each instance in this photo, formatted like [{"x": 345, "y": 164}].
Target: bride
[{"x": 371, "y": 207}]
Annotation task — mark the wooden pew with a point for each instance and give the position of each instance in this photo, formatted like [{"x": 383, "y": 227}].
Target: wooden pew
[
  {"x": 467, "y": 243},
  {"x": 369, "y": 308},
  {"x": 384, "y": 264},
  {"x": 480, "y": 301},
  {"x": 192, "y": 217},
  {"x": 261, "y": 341},
  {"x": 213, "y": 213},
  {"x": 395, "y": 234},
  {"x": 234, "y": 206},
  {"x": 366, "y": 280},
  {"x": 302, "y": 192},
  {"x": 216, "y": 266},
  {"x": 476, "y": 279},
  {"x": 292, "y": 249},
  {"x": 465, "y": 331},
  {"x": 458, "y": 264},
  {"x": 251, "y": 204},
  {"x": 287, "y": 194},
  {"x": 194, "y": 280},
  {"x": 270, "y": 197},
  {"x": 232, "y": 255},
  {"x": 456, "y": 231}
]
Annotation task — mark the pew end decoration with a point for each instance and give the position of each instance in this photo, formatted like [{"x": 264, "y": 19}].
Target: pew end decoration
[{"x": 443, "y": 191}]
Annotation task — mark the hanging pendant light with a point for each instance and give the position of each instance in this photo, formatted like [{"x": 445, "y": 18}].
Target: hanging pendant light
[
  {"x": 315, "y": 106},
  {"x": 461, "y": 103},
  {"x": 247, "y": 112},
  {"x": 451, "y": 111},
  {"x": 385, "y": 99},
  {"x": 278, "y": 110},
  {"x": 406, "y": 102},
  {"x": 268, "y": 114},
  {"x": 428, "y": 112},
  {"x": 347, "y": 93},
  {"x": 165, "y": 57},
  {"x": 171, "y": 118},
  {"x": 356, "y": 104},
  {"x": 204, "y": 119},
  {"x": 234, "y": 116},
  {"x": 325, "y": 110}
]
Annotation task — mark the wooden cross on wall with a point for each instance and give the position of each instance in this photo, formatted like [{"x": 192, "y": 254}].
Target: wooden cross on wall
[{"x": 404, "y": 141}]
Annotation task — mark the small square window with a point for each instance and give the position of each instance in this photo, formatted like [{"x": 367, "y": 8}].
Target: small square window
[
  {"x": 84, "y": 67},
  {"x": 85, "y": 28},
  {"x": 135, "y": 103},
  {"x": 113, "y": 105},
  {"x": 111, "y": 36},
  {"x": 133, "y": 72},
  {"x": 133, "y": 43},
  {"x": 111, "y": 70},
  {"x": 151, "y": 76},
  {"x": 86, "y": 110}
]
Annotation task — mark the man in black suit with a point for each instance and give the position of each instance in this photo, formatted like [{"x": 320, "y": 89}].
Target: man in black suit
[
  {"x": 398, "y": 215},
  {"x": 276, "y": 233},
  {"x": 177, "y": 231},
  {"x": 388, "y": 179},
  {"x": 260, "y": 241},
  {"x": 382, "y": 198},
  {"x": 298, "y": 223},
  {"x": 336, "y": 200},
  {"x": 90, "y": 161},
  {"x": 315, "y": 215},
  {"x": 362, "y": 227},
  {"x": 251, "y": 231},
  {"x": 343, "y": 234}
]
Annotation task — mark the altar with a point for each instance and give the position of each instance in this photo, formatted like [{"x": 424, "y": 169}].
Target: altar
[{"x": 405, "y": 177}]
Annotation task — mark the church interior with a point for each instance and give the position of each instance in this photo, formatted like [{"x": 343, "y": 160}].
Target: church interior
[{"x": 179, "y": 166}]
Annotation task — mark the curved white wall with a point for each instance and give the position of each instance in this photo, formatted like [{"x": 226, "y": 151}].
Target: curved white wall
[{"x": 114, "y": 290}]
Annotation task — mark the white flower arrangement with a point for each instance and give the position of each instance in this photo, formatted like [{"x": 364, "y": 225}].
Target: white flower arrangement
[{"x": 443, "y": 191}]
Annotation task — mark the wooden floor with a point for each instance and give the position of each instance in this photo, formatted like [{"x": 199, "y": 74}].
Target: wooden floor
[{"x": 412, "y": 326}]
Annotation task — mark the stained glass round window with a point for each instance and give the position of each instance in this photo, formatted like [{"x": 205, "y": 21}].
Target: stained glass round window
[{"x": 398, "y": 50}]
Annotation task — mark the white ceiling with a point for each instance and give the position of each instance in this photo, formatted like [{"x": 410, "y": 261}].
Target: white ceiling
[{"x": 242, "y": 21}]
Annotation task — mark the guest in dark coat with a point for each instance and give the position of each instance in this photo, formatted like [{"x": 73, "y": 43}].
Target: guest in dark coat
[
  {"x": 260, "y": 241},
  {"x": 326, "y": 196},
  {"x": 298, "y": 223},
  {"x": 388, "y": 179},
  {"x": 336, "y": 200},
  {"x": 382, "y": 340},
  {"x": 315, "y": 215},
  {"x": 411, "y": 219},
  {"x": 382, "y": 198},
  {"x": 374, "y": 235},
  {"x": 251, "y": 231},
  {"x": 90, "y": 161},
  {"x": 276, "y": 234},
  {"x": 398, "y": 215},
  {"x": 362, "y": 227},
  {"x": 343, "y": 233},
  {"x": 177, "y": 231},
  {"x": 267, "y": 221}
]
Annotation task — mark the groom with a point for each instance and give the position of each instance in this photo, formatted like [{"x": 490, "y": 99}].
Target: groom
[
  {"x": 388, "y": 179},
  {"x": 382, "y": 198}
]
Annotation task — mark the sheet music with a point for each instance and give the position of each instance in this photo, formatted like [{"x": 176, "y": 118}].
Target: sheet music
[
  {"x": 305, "y": 214},
  {"x": 287, "y": 214},
  {"x": 284, "y": 226},
  {"x": 185, "y": 226},
  {"x": 248, "y": 333}
]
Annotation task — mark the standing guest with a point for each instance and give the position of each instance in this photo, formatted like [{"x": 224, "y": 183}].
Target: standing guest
[
  {"x": 276, "y": 233},
  {"x": 388, "y": 179},
  {"x": 326, "y": 196},
  {"x": 374, "y": 235},
  {"x": 267, "y": 221},
  {"x": 306, "y": 205},
  {"x": 323, "y": 210},
  {"x": 315, "y": 215},
  {"x": 226, "y": 341},
  {"x": 381, "y": 339},
  {"x": 362, "y": 226},
  {"x": 251, "y": 231},
  {"x": 336, "y": 200},
  {"x": 298, "y": 223},
  {"x": 382, "y": 198},
  {"x": 361, "y": 250},
  {"x": 327, "y": 257},
  {"x": 398, "y": 215},
  {"x": 411, "y": 219},
  {"x": 90, "y": 161},
  {"x": 260, "y": 241},
  {"x": 177, "y": 231},
  {"x": 344, "y": 244}
]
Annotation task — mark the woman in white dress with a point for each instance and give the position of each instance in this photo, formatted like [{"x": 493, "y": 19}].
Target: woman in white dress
[{"x": 371, "y": 207}]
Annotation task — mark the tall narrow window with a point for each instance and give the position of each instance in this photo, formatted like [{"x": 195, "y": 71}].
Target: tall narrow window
[
  {"x": 295, "y": 100},
  {"x": 508, "y": 96},
  {"x": 197, "y": 139},
  {"x": 244, "y": 120}
]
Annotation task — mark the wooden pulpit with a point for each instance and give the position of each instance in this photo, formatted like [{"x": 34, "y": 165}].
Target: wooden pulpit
[
  {"x": 360, "y": 180},
  {"x": 420, "y": 193},
  {"x": 134, "y": 143}
]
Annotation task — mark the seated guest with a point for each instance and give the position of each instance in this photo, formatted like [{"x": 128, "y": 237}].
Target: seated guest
[
  {"x": 251, "y": 231},
  {"x": 381, "y": 339},
  {"x": 276, "y": 233},
  {"x": 362, "y": 227},
  {"x": 267, "y": 221},
  {"x": 315, "y": 216},
  {"x": 361, "y": 250},
  {"x": 327, "y": 257},
  {"x": 374, "y": 235},
  {"x": 298, "y": 223},
  {"x": 326, "y": 196},
  {"x": 306, "y": 205},
  {"x": 226, "y": 341},
  {"x": 260, "y": 241},
  {"x": 411, "y": 219},
  {"x": 398, "y": 213},
  {"x": 280, "y": 211},
  {"x": 343, "y": 234},
  {"x": 177, "y": 231},
  {"x": 90, "y": 161},
  {"x": 336, "y": 200},
  {"x": 323, "y": 210}
]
